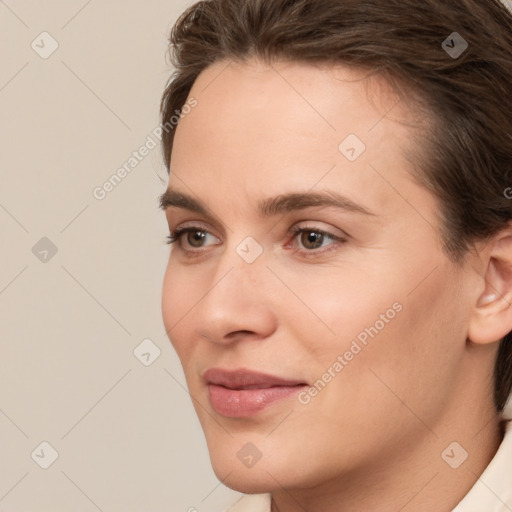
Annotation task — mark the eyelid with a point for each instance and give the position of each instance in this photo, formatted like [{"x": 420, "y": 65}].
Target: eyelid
[
  {"x": 312, "y": 225},
  {"x": 177, "y": 234},
  {"x": 195, "y": 224}
]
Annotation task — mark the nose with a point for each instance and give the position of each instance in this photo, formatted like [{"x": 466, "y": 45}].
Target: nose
[{"x": 239, "y": 304}]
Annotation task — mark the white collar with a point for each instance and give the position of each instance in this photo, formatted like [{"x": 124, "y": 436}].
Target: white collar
[{"x": 492, "y": 491}]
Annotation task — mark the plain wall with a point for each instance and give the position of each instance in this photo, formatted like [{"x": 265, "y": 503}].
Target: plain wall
[{"x": 126, "y": 434}]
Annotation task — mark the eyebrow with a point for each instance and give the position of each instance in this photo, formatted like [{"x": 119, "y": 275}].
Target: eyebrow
[
  {"x": 284, "y": 203},
  {"x": 174, "y": 199}
]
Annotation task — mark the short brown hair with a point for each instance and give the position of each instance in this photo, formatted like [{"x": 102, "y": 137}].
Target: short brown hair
[{"x": 467, "y": 162}]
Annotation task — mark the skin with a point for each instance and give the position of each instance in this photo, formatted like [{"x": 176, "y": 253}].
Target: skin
[{"x": 373, "y": 438}]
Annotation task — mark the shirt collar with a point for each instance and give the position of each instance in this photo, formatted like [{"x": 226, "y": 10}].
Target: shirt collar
[{"x": 492, "y": 491}]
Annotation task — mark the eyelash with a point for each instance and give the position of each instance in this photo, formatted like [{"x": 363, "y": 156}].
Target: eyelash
[{"x": 178, "y": 233}]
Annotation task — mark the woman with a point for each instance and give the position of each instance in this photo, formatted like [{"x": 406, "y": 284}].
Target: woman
[{"x": 339, "y": 285}]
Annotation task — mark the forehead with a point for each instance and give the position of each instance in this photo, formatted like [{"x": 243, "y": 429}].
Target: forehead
[
  {"x": 261, "y": 126},
  {"x": 327, "y": 93}
]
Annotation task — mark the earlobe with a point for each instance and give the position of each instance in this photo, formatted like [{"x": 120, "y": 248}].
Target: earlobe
[{"x": 491, "y": 318}]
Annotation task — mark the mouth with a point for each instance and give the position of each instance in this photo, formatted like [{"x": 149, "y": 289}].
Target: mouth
[{"x": 244, "y": 393}]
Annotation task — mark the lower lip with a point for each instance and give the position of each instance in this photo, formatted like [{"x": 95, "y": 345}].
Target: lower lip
[{"x": 242, "y": 403}]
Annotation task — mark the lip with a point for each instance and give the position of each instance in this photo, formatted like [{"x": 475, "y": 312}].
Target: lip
[{"x": 243, "y": 393}]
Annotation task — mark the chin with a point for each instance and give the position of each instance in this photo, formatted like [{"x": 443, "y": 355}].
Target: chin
[
  {"x": 246, "y": 481},
  {"x": 242, "y": 468},
  {"x": 268, "y": 474}
]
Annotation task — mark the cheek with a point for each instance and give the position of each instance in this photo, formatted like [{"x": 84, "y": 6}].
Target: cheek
[
  {"x": 384, "y": 291},
  {"x": 178, "y": 299},
  {"x": 381, "y": 321},
  {"x": 169, "y": 300},
  {"x": 337, "y": 305},
  {"x": 398, "y": 348}
]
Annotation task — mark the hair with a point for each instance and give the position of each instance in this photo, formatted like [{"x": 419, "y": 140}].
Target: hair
[{"x": 466, "y": 157}]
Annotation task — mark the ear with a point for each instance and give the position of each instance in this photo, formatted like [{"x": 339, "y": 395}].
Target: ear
[{"x": 491, "y": 318}]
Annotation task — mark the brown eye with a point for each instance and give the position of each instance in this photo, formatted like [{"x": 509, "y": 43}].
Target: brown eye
[
  {"x": 311, "y": 239},
  {"x": 196, "y": 238},
  {"x": 190, "y": 238}
]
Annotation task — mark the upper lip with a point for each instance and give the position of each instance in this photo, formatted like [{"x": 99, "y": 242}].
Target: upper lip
[{"x": 246, "y": 379}]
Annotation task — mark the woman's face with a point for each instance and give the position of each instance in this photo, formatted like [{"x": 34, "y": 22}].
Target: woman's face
[{"x": 312, "y": 259}]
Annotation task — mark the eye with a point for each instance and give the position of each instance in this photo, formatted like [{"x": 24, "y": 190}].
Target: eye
[
  {"x": 311, "y": 239},
  {"x": 193, "y": 237}
]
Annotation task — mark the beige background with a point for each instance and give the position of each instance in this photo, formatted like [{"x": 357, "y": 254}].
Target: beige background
[{"x": 126, "y": 434}]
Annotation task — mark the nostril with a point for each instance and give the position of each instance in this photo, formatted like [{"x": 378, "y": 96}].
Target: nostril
[{"x": 241, "y": 332}]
